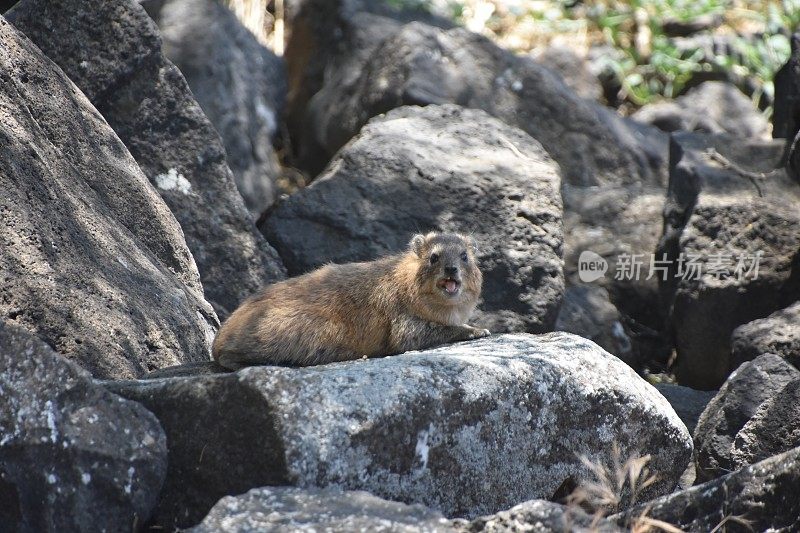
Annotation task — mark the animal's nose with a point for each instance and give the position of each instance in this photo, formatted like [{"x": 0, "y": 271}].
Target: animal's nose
[{"x": 451, "y": 271}]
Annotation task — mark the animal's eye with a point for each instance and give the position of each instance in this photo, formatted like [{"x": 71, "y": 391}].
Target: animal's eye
[
  {"x": 434, "y": 258},
  {"x": 464, "y": 257}
]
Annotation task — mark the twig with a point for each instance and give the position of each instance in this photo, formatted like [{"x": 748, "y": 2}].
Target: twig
[
  {"x": 712, "y": 154},
  {"x": 513, "y": 148}
]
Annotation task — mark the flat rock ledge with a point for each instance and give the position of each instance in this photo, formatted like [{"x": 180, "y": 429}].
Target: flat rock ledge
[{"x": 466, "y": 429}]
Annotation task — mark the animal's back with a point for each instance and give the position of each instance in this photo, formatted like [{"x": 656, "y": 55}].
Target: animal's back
[{"x": 336, "y": 313}]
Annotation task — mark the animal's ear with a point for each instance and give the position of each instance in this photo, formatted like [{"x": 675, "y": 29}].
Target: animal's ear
[
  {"x": 472, "y": 244},
  {"x": 416, "y": 244}
]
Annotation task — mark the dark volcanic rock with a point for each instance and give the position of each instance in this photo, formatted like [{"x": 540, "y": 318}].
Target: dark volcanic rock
[
  {"x": 422, "y": 65},
  {"x": 726, "y": 206},
  {"x": 688, "y": 403},
  {"x": 773, "y": 429},
  {"x": 329, "y": 41},
  {"x": 112, "y": 51},
  {"x": 239, "y": 83},
  {"x": 91, "y": 259},
  {"x": 764, "y": 495},
  {"x": 736, "y": 403},
  {"x": 73, "y": 457},
  {"x": 587, "y": 311},
  {"x": 480, "y": 177},
  {"x": 711, "y": 107},
  {"x": 619, "y": 222},
  {"x": 779, "y": 333},
  {"x": 512, "y": 411},
  {"x": 786, "y": 110},
  {"x": 329, "y": 510},
  {"x": 573, "y": 69}
]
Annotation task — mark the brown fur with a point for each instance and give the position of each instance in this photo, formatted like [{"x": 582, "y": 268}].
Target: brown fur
[{"x": 372, "y": 309}]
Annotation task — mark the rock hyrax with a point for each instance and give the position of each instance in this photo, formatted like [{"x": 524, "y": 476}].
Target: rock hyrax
[{"x": 409, "y": 301}]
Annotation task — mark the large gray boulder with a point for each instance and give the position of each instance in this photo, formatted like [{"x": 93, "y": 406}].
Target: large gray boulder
[
  {"x": 711, "y": 107},
  {"x": 239, "y": 83},
  {"x": 728, "y": 210},
  {"x": 92, "y": 260},
  {"x": 779, "y": 333},
  {"x": 112, "y": 51},
  {"x": 73, "y": 457},
  {"x": 480, "y": 177},
  {"x": 731, "y": 409},
  {"x": 466, "y": 429},
  {"x": 329, "y": 510},
  {"x": 761, "y": 497}
]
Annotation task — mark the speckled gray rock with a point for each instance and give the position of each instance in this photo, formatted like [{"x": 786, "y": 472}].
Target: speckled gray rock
[
  {"x": 287, "y": 509},
  {"x": 773, "y": 429},
  {"x": 728, "y": 412},
  {"x": 711, "y": 107},
  {"x": 480, "y": 177},
  {"x": 538, "y": 516},
  {"x": 73, "y": 457},
  {"x": 511, "y": 411},
  {"x": 688, "y": 403},
  {"x": 239, "y": 83},
  {"x": 112, "y": 51},
  {"x": 779, "y": 333},
  {"x": 91, "y": 259},
  {"x": 764, "y": 494},
  {"x": 720, "y": 217}
]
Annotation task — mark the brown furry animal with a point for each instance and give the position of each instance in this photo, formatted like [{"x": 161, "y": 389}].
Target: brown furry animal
[{"x": 409, "y": 301}]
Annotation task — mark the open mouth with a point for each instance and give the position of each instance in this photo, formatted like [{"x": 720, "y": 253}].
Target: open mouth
[{"x": 449, "y": 285}]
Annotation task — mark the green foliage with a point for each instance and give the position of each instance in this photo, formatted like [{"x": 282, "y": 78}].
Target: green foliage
[
  {"x": 668, "y": 68},
  {"x": 648, "y": 63}
]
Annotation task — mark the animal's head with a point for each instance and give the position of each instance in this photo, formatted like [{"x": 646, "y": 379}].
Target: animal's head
[{"x": 447, "y": 273}]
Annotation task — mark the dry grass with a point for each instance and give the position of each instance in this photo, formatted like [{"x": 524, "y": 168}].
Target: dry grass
[
  {"x": 619, "y": 485},
  {"x": 616, "y": 486}
]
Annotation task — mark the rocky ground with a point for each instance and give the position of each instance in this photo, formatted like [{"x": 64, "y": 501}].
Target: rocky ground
[{"x": 142, "y": 202}]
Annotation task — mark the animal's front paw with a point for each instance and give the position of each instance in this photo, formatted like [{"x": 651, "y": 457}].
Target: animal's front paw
[{"x": 478, "y": 333}]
